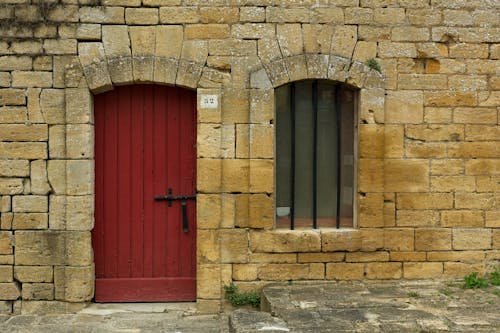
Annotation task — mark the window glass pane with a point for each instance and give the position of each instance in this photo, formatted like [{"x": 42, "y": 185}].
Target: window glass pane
[
  {"x": 283, "y": 156},
  {"x": 304, "y": 129},
  {"x": 327, "y": 156},
  {"x": 347, "y": 157},
  {"x": 296, "y": 131}
]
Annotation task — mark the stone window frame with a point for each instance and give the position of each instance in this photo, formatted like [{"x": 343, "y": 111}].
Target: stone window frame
[{"x": 371, "y": 111}]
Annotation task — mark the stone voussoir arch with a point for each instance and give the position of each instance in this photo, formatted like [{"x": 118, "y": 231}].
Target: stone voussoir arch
[{"x": 283, "y": 70}]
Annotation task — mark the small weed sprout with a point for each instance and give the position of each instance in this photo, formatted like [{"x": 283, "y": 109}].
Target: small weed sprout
[
  {"x": 373, "y": 64},
  {"x": 474, "y": 281},
  {"x": 446, "y": 292},
  {"x": 413, "y": 294},
  {"x": 237, "y": 298},
  {"x": 494, "y": 277}
]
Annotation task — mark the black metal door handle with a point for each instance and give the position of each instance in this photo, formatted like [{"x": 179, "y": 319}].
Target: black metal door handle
[
  {"x": 170, "y": 197},
  {"x": 185, "y": 227}
]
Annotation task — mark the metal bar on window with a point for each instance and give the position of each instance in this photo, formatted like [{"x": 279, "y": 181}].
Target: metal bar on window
[
  {"x": 339, "y": 154},
  {"x": 292, "y": 157},
  {"x": 315, "y": 153}
]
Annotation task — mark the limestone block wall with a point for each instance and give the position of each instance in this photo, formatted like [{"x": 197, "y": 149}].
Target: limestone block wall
[{"x": 428, "y": 167}]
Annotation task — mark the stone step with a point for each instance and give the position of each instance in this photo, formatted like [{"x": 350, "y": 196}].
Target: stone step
[{"x": 371, "y": 307}]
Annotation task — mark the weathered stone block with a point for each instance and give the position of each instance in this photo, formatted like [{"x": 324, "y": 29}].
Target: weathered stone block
[
  {"x": 11, "y": 186},
  {"x": 367, "y": 256},
  {"x": 371, "y": 141},
  {"x": 458, "y": 270},
  {"x": 236, "y": 175},
  {"x": 40, "y": 248},
  {"x": 404, "y": 107},
  {"x": 24, "y": 150},
  {"x": 30, "y": 221},
  {"x": 355, "y": 15},
  {"x": 406, "y": 176},
  {"x": 371, "y": 175},
  {"x": 340, "y": 240},
  {"x": 245, "y": 272},
  {"x": 78, "y": 248},
  {"x": 6, "y": 242},
  {"x": 14, "y": 168},
  {"x": 261, "y": 106},
  {"x": 446, "y": 98},
  {"x": 37, "y": 291},
  {"x": 235, "y": 106},
  {"x": 434, "y": 239},
  {"x": 422, "y": 270},
  {"x": 399, "y": 239},
  {"x": 422, "y": 81},
  {"x": 408, "y": 256},
  {"x": 173, "y": 15},
  {"x": 219, "y": 14},
  {"x": 279, "y": 14},
  {"x": 209, "y": 173},
  {"x": 283, "y": 272},
  {"x": 492, "y": 219},
  {"x": 424, "y": 201},
  {"x": 207, "y": 31},
  {"x": 208, "y": 281},
  {"x": 79, "y": 106},
  {"x": 261, "y": 141},
  {"x": 234, "y": 245},
  {"x": 463, "y": 256},
  {"x": 462, "y": 218},
  {"x": 252, "y": 14},
  {"x": 387, "y": 49},
  {"x": 471, "y": 239},
  {"x": 79, "y": 177},
  {"x": 261, "y": 211},
  {"x": 5, "y": 204},
  {"x": 320, "y": 257},
  {"x": 38, "y": 177},
  {"x": 482, "y": 167},
  {"x": 79, "y": 141},
  {"x": 33, "y": 273},
  {"x": 9, "y": 291},
  {"x": 74, "y": 284},
  {"x": 6, "y": 273},
  {"x": 285, "y": 241},
  {"x": 208, "y": 210},
  {"x": 261, "y": 176},
  {"x": 344, "y": 271},
  {"x": 384, "y": 270},
  {"x": 22, "y": 79},
  {"x": 93, "y": 59},
  {"x": 141, "y": 16},
  {"x": 208, "y": 246},
  {"x": 487, "y": 201},
  {"x": 417, "y": 218},
  {"x": 371, "y": 212},
  {"x": 30, "y": 204},
  {"x": 102, "y": 14},
  {"x": 452, "y": 183},
  {"x": 273, "y": 258}
]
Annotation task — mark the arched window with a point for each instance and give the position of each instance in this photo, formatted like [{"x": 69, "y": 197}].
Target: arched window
[{"x": 315, "y": 135}]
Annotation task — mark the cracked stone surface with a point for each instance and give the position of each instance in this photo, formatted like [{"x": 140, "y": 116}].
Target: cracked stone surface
[
  {"x": 120, "y": 318},
  {"x": 376, "y": 306}
]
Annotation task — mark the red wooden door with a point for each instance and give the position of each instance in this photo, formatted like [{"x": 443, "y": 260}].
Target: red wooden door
[{"x": 145, "y": 139}]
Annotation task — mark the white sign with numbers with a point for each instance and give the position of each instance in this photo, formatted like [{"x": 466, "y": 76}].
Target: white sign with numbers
[{"x": 209, "y": 101}]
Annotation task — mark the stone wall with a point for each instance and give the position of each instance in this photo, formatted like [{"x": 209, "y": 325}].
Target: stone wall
[{"x": 428, "y": 140}]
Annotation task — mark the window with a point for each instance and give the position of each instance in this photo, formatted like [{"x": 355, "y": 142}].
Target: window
[{"x": 315, "y": 131}]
